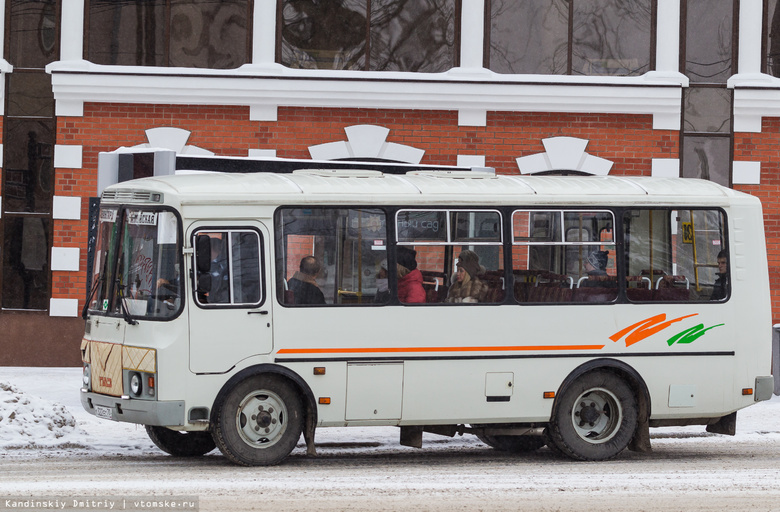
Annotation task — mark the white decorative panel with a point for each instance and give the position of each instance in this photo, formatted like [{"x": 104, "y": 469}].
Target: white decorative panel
[
  {"x": 595, "y": 165},
  {"x": 565, "y": 152},
  {"x": 67, "y": 157},
  {"x": 533, "y": 163},
  {"x": 65, "y": 258},
  {"x": 471, "y": 117},
  {"x": 64, "y": 307},
  {"x": 168, "y": 137},
  {"x": 366, "y": 140},
  {"x": 665, "y": 168},
  {"x": 263, "y": 113},
  {"x": 471, "y": 161},
  {"x": 747, "y": 173},
  {"x": 330, "y": 151},
  {"x": 66, "y": 208},
  {"x": 402, "y": 153}
]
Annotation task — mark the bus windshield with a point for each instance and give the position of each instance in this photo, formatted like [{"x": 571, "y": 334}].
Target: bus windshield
[{"x": 137, "y": 267}]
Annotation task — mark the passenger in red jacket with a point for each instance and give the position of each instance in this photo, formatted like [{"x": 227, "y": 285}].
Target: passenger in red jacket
[{"x": 410, "y": 288}]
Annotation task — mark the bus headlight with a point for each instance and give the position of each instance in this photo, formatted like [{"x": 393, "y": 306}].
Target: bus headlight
[
  {"x": 136, "y": 384},
  {"x": 86, "y": 376}
]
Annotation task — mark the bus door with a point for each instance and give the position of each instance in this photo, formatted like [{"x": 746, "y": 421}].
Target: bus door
[{"x": 229, "y": 315}]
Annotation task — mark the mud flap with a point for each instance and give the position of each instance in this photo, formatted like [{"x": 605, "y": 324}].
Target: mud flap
[
  {"x": 641, "y": 440},
  {"x": 726, "y": 425}
]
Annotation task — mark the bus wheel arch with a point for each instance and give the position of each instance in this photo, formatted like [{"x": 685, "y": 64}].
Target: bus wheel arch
[
  {"x": 284, "y": 388},
  {"x": 600, "y": 385}
]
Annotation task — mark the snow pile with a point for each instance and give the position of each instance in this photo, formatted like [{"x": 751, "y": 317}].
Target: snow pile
[{"x": 30, "y": 422}]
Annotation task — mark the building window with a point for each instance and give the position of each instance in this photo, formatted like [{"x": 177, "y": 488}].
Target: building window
[
  {"x": 770, "y": 49},
  {"x": 213, "y": 34},
  {"x": 28, "y": 142},
  {"x": 369, "y": 35},
  {"x": 570, "y": 37},
  {"x": 708, "y": 59}
]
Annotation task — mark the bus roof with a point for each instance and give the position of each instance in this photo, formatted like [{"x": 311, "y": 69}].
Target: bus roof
[{"x": 328, "y": 186}]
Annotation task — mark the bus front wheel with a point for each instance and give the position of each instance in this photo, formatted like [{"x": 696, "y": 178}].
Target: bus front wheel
[
  {"x": 181, "y": 444},
  {"x": 596, "y": 417},
  {"x": 259, "y": 421}
]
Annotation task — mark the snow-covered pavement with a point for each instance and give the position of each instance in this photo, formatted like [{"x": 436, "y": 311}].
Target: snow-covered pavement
[{"x": 50, "y": 446}]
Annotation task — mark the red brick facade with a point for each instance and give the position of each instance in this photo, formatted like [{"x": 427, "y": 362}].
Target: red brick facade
[
  {"x": 627, "y": 140},
  {"x": 762, "y": 147}
]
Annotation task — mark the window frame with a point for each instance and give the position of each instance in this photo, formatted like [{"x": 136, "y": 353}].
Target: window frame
[
  {"x": 569, "y": 35},
  {"x": 229, "y": 230},
  {"x": 166, "y": 57}
]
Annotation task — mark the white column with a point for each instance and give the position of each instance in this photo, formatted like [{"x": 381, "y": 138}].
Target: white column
[
  {"x": 472, "y": 34},
  {"x": 72, "y": 30},
  {"x": 667, "y": 48},
  {"x": 264, "y": 32},
  {"x": 750, "y": 14}
]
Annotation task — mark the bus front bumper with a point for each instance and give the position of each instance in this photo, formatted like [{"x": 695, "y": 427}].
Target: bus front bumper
[{"x": 144, "y": 412}]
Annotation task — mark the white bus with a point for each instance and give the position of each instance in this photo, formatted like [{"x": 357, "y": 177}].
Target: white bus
[{"x": 243, "y": 310}]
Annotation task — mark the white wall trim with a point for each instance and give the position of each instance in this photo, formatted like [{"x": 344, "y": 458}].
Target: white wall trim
[
  {"x": 67, "y": 156},
  {"x": 658, "y": 94},
  {"x": 66, "y": 208},
  {"x": 63, "y": 307},
  {"x": 367, "y": 141},
  {"x": 471, "y": 160},
  {"x": 746, "y": 173},
  {"x": 65, "y": 259},
  {"x": 665, "y": 168},
  {"x": 564, "y": 153}
]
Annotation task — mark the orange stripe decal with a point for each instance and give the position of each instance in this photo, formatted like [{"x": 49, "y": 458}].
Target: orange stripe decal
[{"x": 387, "y": 350}]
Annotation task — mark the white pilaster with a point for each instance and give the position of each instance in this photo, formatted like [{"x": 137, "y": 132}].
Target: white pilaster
[
  {"x": 667, "y": 48},
  {"x": 264, "y": 32},
  {"x": 72, "y": 30},
  {"x": 472, "y": 34},
  {"x": 750, "y": 15}
]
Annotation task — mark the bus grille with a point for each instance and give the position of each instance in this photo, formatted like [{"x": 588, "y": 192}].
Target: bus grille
[{"x": 131, "y": 196}]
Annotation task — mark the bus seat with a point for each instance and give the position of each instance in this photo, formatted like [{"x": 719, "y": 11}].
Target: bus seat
[
  {"x": 672, "y": 289},
  {"x": 639, "y": 288},
  {"x": 496, "y": 285}
]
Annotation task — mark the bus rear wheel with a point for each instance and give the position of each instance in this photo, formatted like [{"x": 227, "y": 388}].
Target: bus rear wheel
[
  {"x": 513, "y": 444},
  {"x": 259, "y": 421},
  {"x": 595, "y": 418},
  {"x": 181, "y": 444}
]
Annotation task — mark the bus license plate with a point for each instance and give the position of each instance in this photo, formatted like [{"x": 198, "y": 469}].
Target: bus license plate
[{"x": 103, "y": 412}]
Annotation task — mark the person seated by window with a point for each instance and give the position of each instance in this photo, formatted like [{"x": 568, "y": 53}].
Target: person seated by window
[
  {"x": 304, "y": 284},
  {"x": 410, "y": 279},
  {"x": 219, "y": 293},
  {"x": 596, "y": 267},
  {"x": 467, "y": 286},
  {"x": 382, "y": 292},
  {"x": 721, "y": 288}
]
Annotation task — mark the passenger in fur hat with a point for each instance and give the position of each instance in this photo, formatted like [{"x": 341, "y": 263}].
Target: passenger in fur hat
[
  {"x": 410, "y": 287},
  {"x": 467, "y": 286}
]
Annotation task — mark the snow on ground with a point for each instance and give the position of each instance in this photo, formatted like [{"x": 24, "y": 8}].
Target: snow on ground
[{"x": 41, "y": 412}]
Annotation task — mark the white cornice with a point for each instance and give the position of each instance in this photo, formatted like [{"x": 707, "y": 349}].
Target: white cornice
[{"x": 272, "y": 86}]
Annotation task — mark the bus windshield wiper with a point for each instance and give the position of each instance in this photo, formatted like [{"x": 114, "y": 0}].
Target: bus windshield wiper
[
  {"x": 89, "y": 297},
  {"x": 123, "y": 304}
]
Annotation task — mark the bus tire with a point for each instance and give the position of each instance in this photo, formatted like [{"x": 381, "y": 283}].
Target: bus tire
[
  {"x": 259, "y": 421},
  {"x": 595, "y": 418},
  {"x": 513, "y": 444},
  {"x": 181, "y": 444}
]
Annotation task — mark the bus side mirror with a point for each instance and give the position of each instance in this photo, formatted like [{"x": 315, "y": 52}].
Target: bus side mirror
[{"x": 203, "y": 263}]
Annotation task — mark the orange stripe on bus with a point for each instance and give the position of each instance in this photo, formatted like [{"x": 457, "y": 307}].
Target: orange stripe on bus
[{"x": 434, "y": 349}]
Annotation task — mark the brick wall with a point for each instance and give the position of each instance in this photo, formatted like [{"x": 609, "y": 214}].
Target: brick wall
[
  {"x": 763, "y": 147},
  {"x": 227, "y": 131}
]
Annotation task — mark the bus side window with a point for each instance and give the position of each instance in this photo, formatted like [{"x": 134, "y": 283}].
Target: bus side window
[{"x": 228, "y": 268}]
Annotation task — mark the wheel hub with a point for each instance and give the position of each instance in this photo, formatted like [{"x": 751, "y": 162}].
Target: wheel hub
[
  {"x": 261, "y": 418},
  {"x": 589, "y": 414}
]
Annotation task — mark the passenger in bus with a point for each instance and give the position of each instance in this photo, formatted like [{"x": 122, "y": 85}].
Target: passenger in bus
[
  {"x": 721, "y": 287},
  {"x": 410, "y": 279},
  {"x": 596, "y": 271},
  {"x": 304, "y": 283},
  {"x": 382, "y": 292},
  {"x": 467, "y": 286},
  {"x": 219, "y": 293}
]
